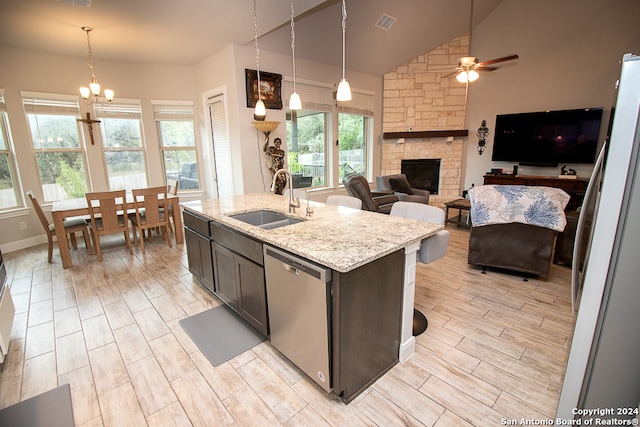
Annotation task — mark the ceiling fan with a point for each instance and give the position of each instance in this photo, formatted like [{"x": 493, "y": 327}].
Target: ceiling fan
[{"x": 468, "y": 66}]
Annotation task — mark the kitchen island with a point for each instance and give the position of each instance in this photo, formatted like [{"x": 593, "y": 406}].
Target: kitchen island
[{"x": 373, "y": 260}]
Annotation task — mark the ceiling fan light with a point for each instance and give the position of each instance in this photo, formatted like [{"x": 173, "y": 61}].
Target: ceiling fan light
[
  {"x": 462, "y": 77},
  {"x": 294, "y": 102},
  {"x": 344, "y": 91},
  {"x": 467, "y": 76}
]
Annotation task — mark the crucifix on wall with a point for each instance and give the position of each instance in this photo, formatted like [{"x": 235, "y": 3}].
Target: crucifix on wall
[{"x": 89, "y": 121}]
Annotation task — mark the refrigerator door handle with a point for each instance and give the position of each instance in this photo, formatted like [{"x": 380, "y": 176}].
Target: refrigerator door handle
[{"x": 594, "y": 183}]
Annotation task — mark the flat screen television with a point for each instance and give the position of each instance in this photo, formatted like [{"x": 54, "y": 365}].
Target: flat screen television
[{"x": 547, "y": 138}]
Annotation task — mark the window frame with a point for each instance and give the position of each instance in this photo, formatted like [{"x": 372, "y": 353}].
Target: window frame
[
  {"x": 176, "y": 111},
  {"x": 54, "y": 105},
  {"x": 291, "y": 117},
  {"x": 130, "y": 109},
  {"x": 317, "y": 96},
  {"x": 9, "y": 151},
  {"x": 367, "y": 128}
]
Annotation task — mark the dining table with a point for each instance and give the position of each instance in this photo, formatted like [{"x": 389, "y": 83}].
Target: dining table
[{"x": 62, "y": 209}]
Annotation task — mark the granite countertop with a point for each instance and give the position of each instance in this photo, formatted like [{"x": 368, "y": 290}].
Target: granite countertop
[{"x": 336, "y": 237}]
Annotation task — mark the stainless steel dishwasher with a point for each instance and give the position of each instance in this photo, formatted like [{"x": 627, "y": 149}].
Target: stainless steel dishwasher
[{"x": 298, "y": 293}]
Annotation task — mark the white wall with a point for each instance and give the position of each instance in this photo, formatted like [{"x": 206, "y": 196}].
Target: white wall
[{"x": 569, "y": 58}]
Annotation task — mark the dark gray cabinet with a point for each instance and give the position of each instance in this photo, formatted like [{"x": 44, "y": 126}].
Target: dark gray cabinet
[
  {"x": 225, "y": 275},
  {"x": 239, "y": 275},
  {"x": 366, "y": 303},
  {"x": 252, "y": 304},
  {"x": 196, "y": 232}
]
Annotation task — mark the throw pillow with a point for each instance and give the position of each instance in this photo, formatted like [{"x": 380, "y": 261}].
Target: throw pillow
[{"x": 401, "y": 185}]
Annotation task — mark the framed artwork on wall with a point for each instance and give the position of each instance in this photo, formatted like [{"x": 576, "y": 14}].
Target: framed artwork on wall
[{"x": 270, "y": 89}]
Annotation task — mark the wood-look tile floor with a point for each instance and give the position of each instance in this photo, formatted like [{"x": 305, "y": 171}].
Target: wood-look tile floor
[{"x": 496, "y": 348}]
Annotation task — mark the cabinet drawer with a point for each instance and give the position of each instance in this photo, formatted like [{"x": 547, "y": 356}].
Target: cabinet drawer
[
  {"x": 196, "y": 223},
  {"x": 237, "y": 242}
]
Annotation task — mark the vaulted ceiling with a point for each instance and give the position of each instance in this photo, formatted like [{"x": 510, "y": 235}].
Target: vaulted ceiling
[{"x": 186, "y": 32}]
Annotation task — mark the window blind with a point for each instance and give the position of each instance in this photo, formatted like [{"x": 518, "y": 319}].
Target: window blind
[
  {"x": 316, "y": 97},
  {"x": 122, "y": 109},
  {"x": 173, "y": 111},
  {"x": 361, "y": 103},
  {"x": 221, "y": 146},
  {"x": 42, "y": 103}
]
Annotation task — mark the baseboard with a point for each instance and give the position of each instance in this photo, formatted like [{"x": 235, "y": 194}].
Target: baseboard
[{"x": 23, "y": 244}]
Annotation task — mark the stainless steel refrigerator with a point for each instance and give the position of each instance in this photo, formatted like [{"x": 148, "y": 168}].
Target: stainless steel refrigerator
[{"x": 603, "y": 370}]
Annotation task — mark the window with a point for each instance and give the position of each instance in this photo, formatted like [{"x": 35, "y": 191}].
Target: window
[
  {"x": 354, "y": 128},
  {"x": 8, "y": 197},
  {"x": 307, "y": 134},
  {"x": 352, "y": 144},
  {"x": 123, "y": 145},
  {"x": 177, "y": 138},
  {"x": 57, "y": 144}
]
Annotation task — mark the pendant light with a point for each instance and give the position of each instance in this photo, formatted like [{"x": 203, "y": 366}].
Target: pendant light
[
  {"x": 344, "y": 90},
  {"x": 260, "y": 111},
  {"x": 90, "y": 94},
  {"x": 294, "y": 102}
]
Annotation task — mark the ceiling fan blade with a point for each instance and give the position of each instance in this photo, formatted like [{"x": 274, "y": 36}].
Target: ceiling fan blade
[
  {"x": 452, "y": 73},
  {"x": 485, "y": 68},
  {"x": 497, "y": 60}
]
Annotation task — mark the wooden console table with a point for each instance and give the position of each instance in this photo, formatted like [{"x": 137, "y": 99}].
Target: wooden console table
[{"x": 574, "y": 187}]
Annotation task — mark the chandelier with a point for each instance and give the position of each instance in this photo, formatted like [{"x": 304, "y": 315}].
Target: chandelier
[{"x": 90, "y": 94}]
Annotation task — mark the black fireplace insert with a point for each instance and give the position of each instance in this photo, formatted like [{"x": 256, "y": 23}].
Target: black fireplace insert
[{"x": 422, "y": 173}]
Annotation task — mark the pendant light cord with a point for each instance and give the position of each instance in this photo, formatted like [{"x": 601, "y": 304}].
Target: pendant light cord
[
  {"x": 90, "y": 54},
  {"x": 470, "y": 25},
  {"x": 344, "y": 28},
  {"x": 255, "y": 31},
  {"x": 293, "y": 47}
]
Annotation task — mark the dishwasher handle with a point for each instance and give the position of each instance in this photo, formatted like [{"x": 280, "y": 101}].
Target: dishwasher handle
[{"x": 299, "y": 265}]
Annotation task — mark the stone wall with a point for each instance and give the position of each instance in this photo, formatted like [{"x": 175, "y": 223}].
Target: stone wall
[{"x": 418, "y": 97}]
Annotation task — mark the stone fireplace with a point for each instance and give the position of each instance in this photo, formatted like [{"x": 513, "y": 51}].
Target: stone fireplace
[
  {"x": 448, "y": 153},
  {"x": 422, "y": 96}
]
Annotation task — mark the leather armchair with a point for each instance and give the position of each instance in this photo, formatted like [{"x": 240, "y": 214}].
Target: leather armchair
[
  {"x": 357, "y": 186},
  {"x": 399, "y": 184}
]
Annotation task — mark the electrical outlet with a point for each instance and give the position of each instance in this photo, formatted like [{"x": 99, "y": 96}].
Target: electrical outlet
[{"x": 23, "y": 225}]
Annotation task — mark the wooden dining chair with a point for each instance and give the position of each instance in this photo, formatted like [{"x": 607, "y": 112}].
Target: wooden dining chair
[
  {"x": 71, "y": 226},
  {"x": 106, "y": 209},
  {"x": 149, "y": 205},
  {"x": 172, "y": 188}
]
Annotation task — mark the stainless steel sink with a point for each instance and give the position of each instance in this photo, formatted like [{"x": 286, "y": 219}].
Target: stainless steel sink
[{"x": 266, "y": 219}]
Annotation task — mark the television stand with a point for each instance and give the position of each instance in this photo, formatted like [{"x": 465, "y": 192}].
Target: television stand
[{"x": 574, "y": 187}]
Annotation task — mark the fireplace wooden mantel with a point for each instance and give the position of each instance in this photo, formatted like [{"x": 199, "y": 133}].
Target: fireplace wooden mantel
[{"x": 425, "y": 134}]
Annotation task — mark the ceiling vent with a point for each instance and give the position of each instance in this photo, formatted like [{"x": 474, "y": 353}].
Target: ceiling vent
[
  {"x": 385, "y": 22},
  {"x": 85, "y": 3}
]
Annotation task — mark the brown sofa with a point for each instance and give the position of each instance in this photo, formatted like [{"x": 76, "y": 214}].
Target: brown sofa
[{"x": 518, "y": 247}]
